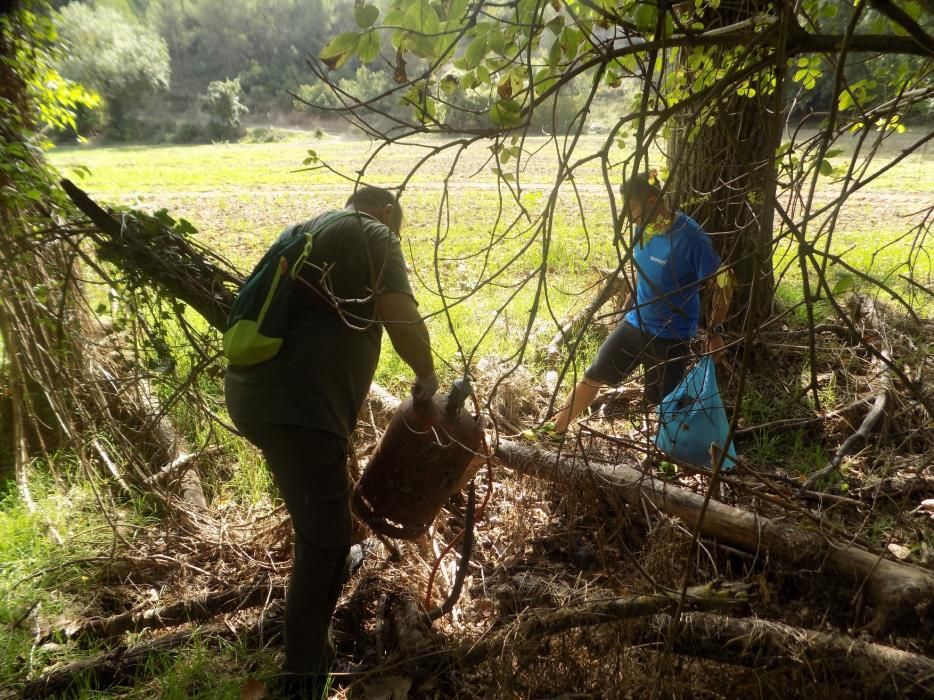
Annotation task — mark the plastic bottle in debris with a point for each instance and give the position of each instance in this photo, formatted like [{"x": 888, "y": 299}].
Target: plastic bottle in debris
[{"x": 419, "y": 463}]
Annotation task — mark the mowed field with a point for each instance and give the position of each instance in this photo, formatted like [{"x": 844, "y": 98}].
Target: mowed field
[{"x": 476, "y": 260}]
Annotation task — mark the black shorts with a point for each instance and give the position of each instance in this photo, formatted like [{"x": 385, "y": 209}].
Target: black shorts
[{"x": 664, "y": 361}]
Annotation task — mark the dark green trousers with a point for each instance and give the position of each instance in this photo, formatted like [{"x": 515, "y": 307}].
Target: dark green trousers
[{"x": 310, "y": 469}]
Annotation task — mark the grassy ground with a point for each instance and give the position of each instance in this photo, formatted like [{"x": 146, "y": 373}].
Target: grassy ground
[{"x": 240, "y": 196}]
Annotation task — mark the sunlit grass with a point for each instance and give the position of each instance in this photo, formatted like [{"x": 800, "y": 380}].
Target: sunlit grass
[
  {"x": 240, "y": 196},
  {"x": 42, "y": 577}
]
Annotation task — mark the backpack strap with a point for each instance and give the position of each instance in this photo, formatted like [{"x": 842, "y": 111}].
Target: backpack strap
[{"x": 319, "y": 297}]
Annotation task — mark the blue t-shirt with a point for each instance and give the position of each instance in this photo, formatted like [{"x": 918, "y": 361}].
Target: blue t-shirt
[{"x": 670, "y": 267}]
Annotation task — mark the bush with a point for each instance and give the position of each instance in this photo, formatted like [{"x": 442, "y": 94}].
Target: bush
[
  {"x": 264, "y": 134},
  {"x": 121, "y": 59},
  {"x": 222, "y": 104},
  {"x": 317, "y": 94},
  {"x": 556, "y": 115},
  {"x": 190, "y": 132},
  {"x": 89, "y": 122},
  {"x": 467, "y": 110},
  {"x": 365, "y": 85}
]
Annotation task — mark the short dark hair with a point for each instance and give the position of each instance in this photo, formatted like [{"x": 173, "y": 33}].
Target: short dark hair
[
  {"x": 371, "y": 198},
  {"x": 642, "y": 185}
]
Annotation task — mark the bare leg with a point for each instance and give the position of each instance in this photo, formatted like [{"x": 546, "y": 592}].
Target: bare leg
[{"x": 581, "y": 396}]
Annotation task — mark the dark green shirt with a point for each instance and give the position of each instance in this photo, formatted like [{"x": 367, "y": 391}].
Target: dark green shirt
[{"x": 323, "y": 371}]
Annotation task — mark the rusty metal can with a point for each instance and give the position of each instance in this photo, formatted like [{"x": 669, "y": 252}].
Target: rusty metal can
[{"x": 419, "y": 463}]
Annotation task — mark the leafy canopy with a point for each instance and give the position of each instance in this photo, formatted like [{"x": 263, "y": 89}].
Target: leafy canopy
[
  {"x": 517, "y": 54},
  {"x": 107, "y": 51}
]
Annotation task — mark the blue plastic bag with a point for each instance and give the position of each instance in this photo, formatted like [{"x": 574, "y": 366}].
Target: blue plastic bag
[{"x": 692, "y": 417}]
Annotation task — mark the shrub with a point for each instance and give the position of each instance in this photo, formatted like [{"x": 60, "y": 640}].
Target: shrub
[
  {"x": 317, "y": 94},
  {"x": 121, "y": 59},
  {"x": 264, "y": 134},
  {"x": 190, "y": 132},
  {"x": 222, "y": 104},
  {"x": 365, "y": 85}
]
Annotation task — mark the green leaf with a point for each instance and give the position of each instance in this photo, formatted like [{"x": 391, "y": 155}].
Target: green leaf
[
  {"x": 497, "y": 41},
  {"x": 424, "y": 106},
  {"x": 646, "y": 17},
  {"x": 844, "y": 284},
  {"x": 457, "y": 9},
  {"x": 184, "y": 227},
  {"x": 163, "y": 217},
  {"x": 469, "y": 81},
  {"x": 483, "y": 75},
  {"x": 554, "y": 54},
  {"x": 423, "y": 46},
  {"x": 506, "y": 113},
  {"x": 845, "y": 100},
  {"x": 421, "y": 17},
  {"x": 570, "y": 41},
  {"x": 509, "y": 177},
  {"x": 368, "y": 46},
  {"x": 449, "y": 84},
  {"x": 544, "y": 80},
  {"x": 81, "y": 171},
  {"x": 339, "y": 49},
  {"x": 365, "y": 15},
  {"x": 476, "y": 52},
  {"x": 525, "y": 11},
  {"x": 826, "y": 167}
]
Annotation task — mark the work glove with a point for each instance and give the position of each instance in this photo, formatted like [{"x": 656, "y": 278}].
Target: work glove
[{"x": 425, "y": 387}]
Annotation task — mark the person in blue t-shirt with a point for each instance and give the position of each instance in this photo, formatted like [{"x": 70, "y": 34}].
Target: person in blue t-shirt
[{"x": 672, "y": 257}]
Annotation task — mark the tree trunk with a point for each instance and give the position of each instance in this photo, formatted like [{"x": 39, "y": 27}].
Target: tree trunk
[
  {"x": 902, "y": 594},
  {"x": 722, "y": 173}
]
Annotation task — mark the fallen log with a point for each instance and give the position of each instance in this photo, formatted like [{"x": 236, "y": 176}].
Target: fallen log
[
  {"x": 143, "y": 246},
  {"x": 900, "y": 593},
  {"x": 197, "y": 609},
  {"x": 898, "y": 486},
  {"x": 123, "y": 663},
  {"x": 146, "y": 249},
  {"x": 877, "y": 671},
  {"x": 538, "y": 624}
]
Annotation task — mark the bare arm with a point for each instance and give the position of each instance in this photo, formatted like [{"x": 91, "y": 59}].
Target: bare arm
[
  {"x": 407, "y": 331},
  {"x": 721, "y": 295}
]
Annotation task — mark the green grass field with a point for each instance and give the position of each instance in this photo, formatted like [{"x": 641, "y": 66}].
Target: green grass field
[{"x": 239, "y": 196}]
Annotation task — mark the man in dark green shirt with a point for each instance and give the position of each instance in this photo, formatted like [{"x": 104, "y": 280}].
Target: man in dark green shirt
[{"x": 301, "y": 406}]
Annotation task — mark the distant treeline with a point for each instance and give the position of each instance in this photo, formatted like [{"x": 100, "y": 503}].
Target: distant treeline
[{"x": 196, "y": 70}]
